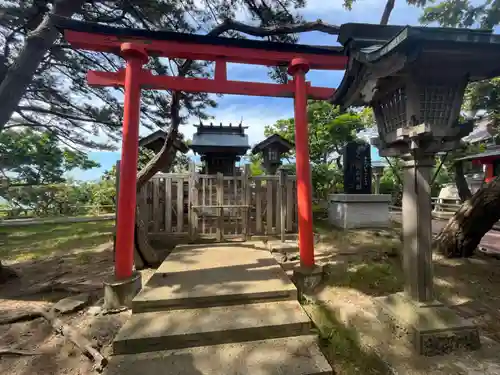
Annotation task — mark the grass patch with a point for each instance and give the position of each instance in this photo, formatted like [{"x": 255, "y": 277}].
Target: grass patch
[
  {"x": 341, "y": 345},
  {"x": 371, "y": 277},
  {"x": 36, "y": 241}
]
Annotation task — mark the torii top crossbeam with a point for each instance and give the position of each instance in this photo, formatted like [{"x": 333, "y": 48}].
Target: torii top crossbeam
[
  {"x": 96, "y": 37},
  {"x": 137, "y": 45},
  {"x": 222, "y": 50}
]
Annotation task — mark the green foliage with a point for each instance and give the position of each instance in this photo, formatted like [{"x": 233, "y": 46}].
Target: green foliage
[
  {"x": 326, "y": 179},
  {"x": 463, "y": 13},
  {"x": 256, "y": 168},
  {"x": 62, "y": 199},
  {"x": 330, "y": 129},
  {"x": 29, "y": 157}
]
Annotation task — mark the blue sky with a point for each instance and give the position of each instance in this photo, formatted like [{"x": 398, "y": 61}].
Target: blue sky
[{"x": 256, "y": 112}]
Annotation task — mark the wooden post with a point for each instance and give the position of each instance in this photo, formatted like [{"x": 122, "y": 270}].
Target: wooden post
[
  {"x": 281, "y": 202},
  {"x": 180, "y": 205},
  {"x": 193, "y": 201},
  {"x": 269, "y": 206},
  {"x": 220, "y": 210},
  {"x": 203, "y": 203},
  {"x": 258, "y": 207},
  {"x": 156, "y": 204},
  {"x": 298, "y": 68},
  {"x": 168, "y": 205},
  {"x": 290, "y": 201},
  {"x": 135, "y": 57},
  {"x": 245, "y": 200}
]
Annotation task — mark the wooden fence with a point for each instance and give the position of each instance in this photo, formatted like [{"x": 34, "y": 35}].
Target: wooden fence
[{"x": 195, "y": 206}]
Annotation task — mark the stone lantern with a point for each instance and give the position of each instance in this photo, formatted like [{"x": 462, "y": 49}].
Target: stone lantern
[
  {"x": 272, "y": 149},
  {"x": 377, "y": 172},
  {"x": 414, "y": 79}
]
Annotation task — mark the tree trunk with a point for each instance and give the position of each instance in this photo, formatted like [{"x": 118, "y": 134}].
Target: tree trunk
[
  {"x": 389, "y": 6},
  {"x": 463, "y": 232},
  {"x": 38, "y": 42},
  {"x": 163, "y": 159},
  {"x": 463, "y": 188},
  {"x": 145, "y": 255}
]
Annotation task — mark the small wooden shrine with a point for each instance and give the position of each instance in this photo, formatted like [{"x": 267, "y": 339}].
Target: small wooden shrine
[
  {"x": 220, "y": 147},
  {"x": 272, "y": 149},
  {"x": 156, "y": 140}
]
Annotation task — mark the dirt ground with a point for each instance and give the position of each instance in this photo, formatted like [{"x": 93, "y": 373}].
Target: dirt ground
[
  {"x": 69, "y": 259},
  {"x": 360, "y": 265}
]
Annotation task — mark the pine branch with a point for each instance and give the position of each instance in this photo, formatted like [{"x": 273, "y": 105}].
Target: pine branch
[
  {"x": 64, "y": 115},
  {"x": 230, "y": 25}
]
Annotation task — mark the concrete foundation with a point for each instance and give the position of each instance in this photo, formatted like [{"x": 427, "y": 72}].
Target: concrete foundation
[
  {"x": 120, "y": 293},
  {"x": 350, "y": 211},
  {"x": 307, "y": 279},
  {"x": 431, "y": 328}
]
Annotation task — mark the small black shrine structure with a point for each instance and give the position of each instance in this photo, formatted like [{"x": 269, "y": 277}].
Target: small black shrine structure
[
  {"x": 272, "y": 149},
  {"x": 357, "y": 168},
  {"x": 220, "y": 147},
  {"x": 156, "y": 140}
]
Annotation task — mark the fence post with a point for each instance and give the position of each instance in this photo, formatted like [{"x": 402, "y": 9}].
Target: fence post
[
  {"x": 281, "y": 202},
  {"x": 246, "y": 200},
  {"x": 193, "y": 201},
  {"x": 220, "y": 209}
]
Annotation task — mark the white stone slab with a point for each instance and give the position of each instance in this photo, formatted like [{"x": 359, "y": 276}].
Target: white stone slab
[{"x": 350, "y": 211}]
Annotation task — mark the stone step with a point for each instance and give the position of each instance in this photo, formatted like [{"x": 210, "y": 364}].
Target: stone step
[
  {"x": 214, "y": 276},
  {"x": 286, "y": 356},
  {"x": 177, "y": 329}
]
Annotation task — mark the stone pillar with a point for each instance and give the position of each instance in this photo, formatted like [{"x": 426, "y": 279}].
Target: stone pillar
[
  {"x": 417, "y": 227},
  {"x": 377, "y": 182}
]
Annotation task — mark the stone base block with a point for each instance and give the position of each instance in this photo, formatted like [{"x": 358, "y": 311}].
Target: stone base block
[
  {"x": 306, "y": 279},
  {"x": 283, "y": 247},
  {"x": 431, "y": 328},
  {"x": 118, "y": 294},
  {"x": 351, "y": 211}
]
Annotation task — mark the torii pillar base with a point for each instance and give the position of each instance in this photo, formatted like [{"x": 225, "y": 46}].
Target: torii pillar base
[{"x": 120, "y": 293}]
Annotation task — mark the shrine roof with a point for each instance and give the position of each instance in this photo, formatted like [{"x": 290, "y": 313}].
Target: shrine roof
[
  {"x": 63, "y": 23},
  {"x": 273, "y": 139},
  {"x": 376, "y": 51},
  {"x": 491, "y": 154},
  {"x": 155, "y": 141},
  {"x": 215, "y": 140}
]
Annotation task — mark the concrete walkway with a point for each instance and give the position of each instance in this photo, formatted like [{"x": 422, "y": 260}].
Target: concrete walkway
[
  {"x": 222, "y": 310},
  {"x": 490, "y": 242}
]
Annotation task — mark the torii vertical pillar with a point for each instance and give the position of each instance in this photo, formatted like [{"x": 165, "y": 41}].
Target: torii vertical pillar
[
  {"x": 298, "y": 69},
  {"x": 136, "y": 57}
]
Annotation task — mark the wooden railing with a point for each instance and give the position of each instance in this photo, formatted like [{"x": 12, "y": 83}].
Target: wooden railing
[{"x": 440, "y": 210}]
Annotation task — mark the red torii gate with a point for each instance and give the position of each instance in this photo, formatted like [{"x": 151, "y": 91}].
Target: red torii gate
[{"x": 135, "y": 46}]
